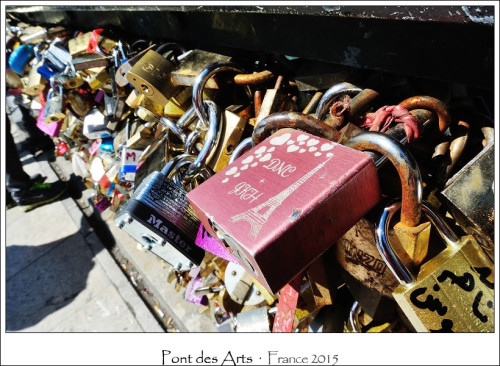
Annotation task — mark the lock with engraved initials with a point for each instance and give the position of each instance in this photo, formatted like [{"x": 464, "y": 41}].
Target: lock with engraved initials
[
  {"x": 453, "y": 291},
  {"x": 159, "y": 217},
  {"x": 266, "y": 204}
]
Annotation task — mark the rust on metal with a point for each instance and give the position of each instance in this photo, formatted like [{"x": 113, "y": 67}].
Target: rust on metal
[
  {"x": 253, "y": 79},
  {"x": 295, "y": 120},
  {"x": 361, "y": 102},
  {"x": 257, "y": 101},
  {"x": 431, "y": 104},
  {"x": 311, "y": 106}
]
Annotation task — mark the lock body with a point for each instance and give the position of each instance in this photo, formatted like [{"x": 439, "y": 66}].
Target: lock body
[
  {"x": 453, "y": 291},
  {"x": 159, "y": 217},
  {"x": 284, "y": 202},
  {"x": 151, "y": 76},
  {"x": 469, "y": 196}
]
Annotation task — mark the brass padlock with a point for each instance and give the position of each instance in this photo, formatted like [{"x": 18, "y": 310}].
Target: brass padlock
[
  {"x": 233, "y": 127},
  {"x": 192, "y": 65},
  {"x": 36, "y": 82},
  {"x": 151, "y": 76},
  {"x": 453, "y": 292},
  {"x": 98, "y": 79},
  {"x": 469, "y": 197}
]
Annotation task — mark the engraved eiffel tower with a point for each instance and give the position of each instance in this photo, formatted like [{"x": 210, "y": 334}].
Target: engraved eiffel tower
[{"x": 257, "y": 219}]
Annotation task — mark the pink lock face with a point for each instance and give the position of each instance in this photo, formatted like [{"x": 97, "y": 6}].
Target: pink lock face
[{"x": 283, "y": 203}]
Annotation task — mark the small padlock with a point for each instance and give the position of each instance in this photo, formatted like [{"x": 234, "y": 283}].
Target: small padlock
[
  {"x": 36, "y": 82},
  {"x": 126, "y": 66},
  {"x": 151, "y": 76},
  {"x": 19, "y": 58},
  {"x": 453, "y": 291},
  {"x": 99, "y": 79},
  {"x": 57, "y": 55},
  {"x": 159, "y": 217},
  {"x": 233, "y": 127},
  {"x": 249, "y": 208},
  {"x": 129, "y": 160},
  {"x": 94, "y": 125},
  {"x": 54, "y": 106}
]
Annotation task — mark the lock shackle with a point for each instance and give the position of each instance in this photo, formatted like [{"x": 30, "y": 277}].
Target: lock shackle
[
  {"x": 172, "y": 170},
  {"x": 354, "y": 313},
  {"x": 52, "y": 89},
  {"x": 244, "y": 145},
  {"x": 253, "y": 79},
  {"x": 267, "y": 126},
  {"x": 176, "y": 49},
  {"x": 431, "y": 104},
  {"x": 201, "y": 81},
  {"x": 172, "y": 126},
  {"x": 406, "y": 166},
  {"x": 332, "y": 93},
  {"x": 212, "y": 138},
  {"x": 397, "y": 268}
]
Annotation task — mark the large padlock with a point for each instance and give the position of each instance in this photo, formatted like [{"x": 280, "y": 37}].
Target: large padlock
[
  {"x": 248, "y": 207},
  {"x": 151, "y": 76},
  {"x": 54, "y": 106},
  {"x": 453, "y": 291},
  {"x": 159, "y": 217},
  {"x": 468, "y": 195}
]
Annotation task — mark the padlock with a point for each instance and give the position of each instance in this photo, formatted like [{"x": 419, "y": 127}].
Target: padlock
[
  {"x": 469, "y": 197},
  {"x": 151, "y": 76},
  {"x": 129, "y": 160},
  {"x": 193, "y": 64},
  {"x": 453, "y": 291},
  {"x": 125, "y": 67},
  {"x": 253, "y": 321},
  {"x": 272, "y": 101},
  {"x": 57, "y": 55},
  {"x": 178, "y": 104},
  {"x": 259, "y": 223},
  {"x": 159, "y": 217},
  {"x": 233, "y": 127},
  {"x": 36, "y": 82},
  {"x": 78, "y": 102},
  {"x": 79, "y": 44},
  {"x": 94, "y": 125},
  {"x": 71, "y": 79},
  {"x": 89, "y": 61},
  {"x": 99, "y": 79},
  {"x": 224, "y": 322},
  {"x": 51, "y": 129},
  {"x": 20, "y": 57},
  {"x": 54, "y": 106}
]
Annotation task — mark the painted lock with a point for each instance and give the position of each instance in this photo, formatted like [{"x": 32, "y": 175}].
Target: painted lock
[{"x": 280, "y": 205}]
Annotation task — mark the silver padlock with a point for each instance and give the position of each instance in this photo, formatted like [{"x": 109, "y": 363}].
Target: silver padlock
[{"x": 53, "y": 111}]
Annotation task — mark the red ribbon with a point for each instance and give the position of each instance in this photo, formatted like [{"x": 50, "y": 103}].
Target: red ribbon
[{"x": 384, "y": 116}]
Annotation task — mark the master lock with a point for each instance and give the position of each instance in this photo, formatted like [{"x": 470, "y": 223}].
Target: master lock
[
  {"x": 453, "y": 291},
  {"x": 54, "y": 106},
  {"x": 284, "y": 202},
  {"x": 159, "y": 217}
]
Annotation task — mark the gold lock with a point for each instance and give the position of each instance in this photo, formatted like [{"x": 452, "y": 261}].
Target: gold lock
[
  {"x": 78, "y": 45},
  {"x": 151, "y": 76},
  {"x": 453, "y": 291},
  {"x": 99, "y": 79},
  {"x": 179, "y": 103},
  {"x": 231, "y": 135},
  {"x": 77, "y": 103},
  {"x": 73, "y": 81},
  {"x": 36, "y": 82}
]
